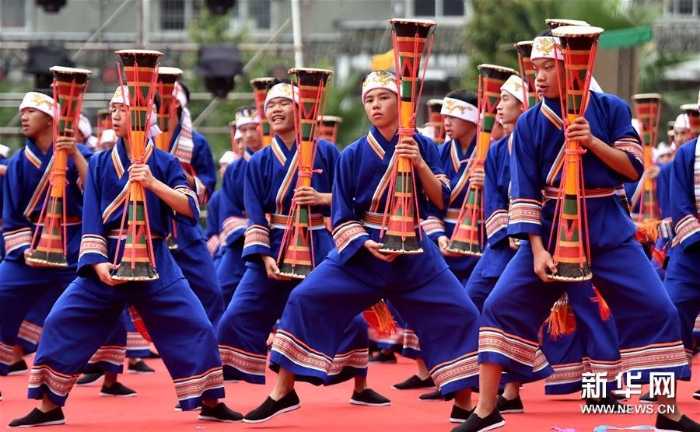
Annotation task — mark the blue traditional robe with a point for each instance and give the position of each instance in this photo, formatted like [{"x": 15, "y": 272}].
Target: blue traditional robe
[
  {"x": 270, "y": 179},
  {"x": 455, "y": 165},
  {"x": 233, "y": 226},
  {"x": 23, "y": 288},
  {"x": 309, "y": 332},
  {"x": 682, "y": 274},
  {"x": 3, "y": 161},
  {"x": 214, "y": 227},
  {"x": 89, "y": 309},
  {"x": 520, "y": 302},
  {"x": 191, "y": 252}
]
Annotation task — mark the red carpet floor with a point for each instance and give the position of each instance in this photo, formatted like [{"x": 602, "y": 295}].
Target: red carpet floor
[{"x": 323, "y": 409}]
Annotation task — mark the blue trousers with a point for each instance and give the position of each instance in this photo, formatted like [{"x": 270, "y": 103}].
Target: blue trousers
[
  {"x": 683, "y": 284},
  {"x": 440, "y": 312},
  {"x": 520, "y": 302},
  {"x": 21, "y": 289},
  {"x": 197, "y": 267},
  {"x": 256, "y": 305},
  {"x": 88, "y": 311},
  {"x": 230, "y": 271}
]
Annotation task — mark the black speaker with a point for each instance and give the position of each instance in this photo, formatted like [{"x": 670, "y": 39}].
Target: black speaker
[
  {"x": 51, "y": 6},
  {"x": 220, "y": 7},
  {"x": 218, "y": 64},
  {"x": 41, "y": 57}
]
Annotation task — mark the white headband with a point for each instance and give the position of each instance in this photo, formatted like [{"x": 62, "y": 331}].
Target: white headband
[
  {"x": 281, "y": 90},
  {"x": 460, "y": 109},
  {"x": 4, "y": 150},
  {"x": 544, "y": 47},
  {"x": 379, "y": 79},
  {"x": 84, "y": 126},
  {"x": 246, "y": 117},
  {"x": 662, "y": 149},
  {"x": 39, "y": 102},
  {"x": 514, "y": 85},
  {"x": 682, "y": 122},
  {"x": 237, "y": 135},
  {"x": 179, "y": 94}
]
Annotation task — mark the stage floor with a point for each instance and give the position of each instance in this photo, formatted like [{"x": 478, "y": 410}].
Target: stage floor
[{"x": 323, "y": 408}]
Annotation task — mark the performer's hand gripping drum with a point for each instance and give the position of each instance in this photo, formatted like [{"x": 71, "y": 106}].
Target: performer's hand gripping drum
[
  {"x": 49, "y": 243},
  {"x": 329, "y": 128}
]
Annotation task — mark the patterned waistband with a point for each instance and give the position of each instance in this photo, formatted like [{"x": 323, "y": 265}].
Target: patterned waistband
[
  {"x": 69, "y": 221},
  {"x": 553, "y": 193},
  {"x": 452, "y": 215},
  {"x": 375, "y": 220},
  {"x": 114, "y": 234},
  {"x": 316, "y": 221}
]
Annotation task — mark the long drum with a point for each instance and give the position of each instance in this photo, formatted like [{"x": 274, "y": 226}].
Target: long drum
[
  {"x": 329, "y": 128},
  {"x": 435, "y": 119},
  {"x": 141, "y": 70},
  {"x": 571, "y": 251},
  {"x": 527, "y": 72},
  {"x": 260, "y": 89},
  {"x": 468, "y": 237},
  {"x": 50, "y": 249},
  {"x": 167, "y": 113},
  {"x": 399, "y": 234},
  {"x": 647, "y": 108},
  {"x": 296, "y": 258}
]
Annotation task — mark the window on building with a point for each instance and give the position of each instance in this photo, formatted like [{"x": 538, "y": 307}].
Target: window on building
[
  {"x": 13, "y": 13},
  {"x": 260, "y": 12},
  {"x": 685, "y": 7},
  {"x": 438, "y": 8},
  {"x": 177, "y": 14}
]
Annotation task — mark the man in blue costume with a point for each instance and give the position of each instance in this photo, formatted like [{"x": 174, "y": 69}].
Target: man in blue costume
[{"x": 91, "y": 306}]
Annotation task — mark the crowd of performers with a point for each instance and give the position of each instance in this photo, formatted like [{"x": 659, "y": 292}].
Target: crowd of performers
[{"x": 469, "y": 322}]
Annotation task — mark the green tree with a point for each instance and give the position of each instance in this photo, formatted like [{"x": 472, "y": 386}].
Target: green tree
[{"x": 497, "y": 24}]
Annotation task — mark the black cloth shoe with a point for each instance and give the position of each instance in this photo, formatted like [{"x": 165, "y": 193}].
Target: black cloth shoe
[
  {"x": 179, "y": 408},
  {"x": 152, "y": 354},
  {"x": 117, "y": 390},
  {"x": 90, "y": 378},
  {"x": 459, "y": 415},
  {"x": 271, "y": 408},
  {"x": 696, "y": 395},
  {"x": 140, "y": 367},
  {"x": 432, "y": 396},
  {"x": 414, "y": 383},
  {"x": 38, "y": 418},
  {"x": 220, "y": 413},
  {"x": 618, "y": 394},
  {"x": 383, "y": 357},
  {"x": 685, "y": 424},
  {"x": 646, "y": 398},
  {"x": 512, "y": 406},
  {"x": 477, "y": 424},
  {"x": 369, "y": 397},
  {"x": 18, "y": 368}
]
